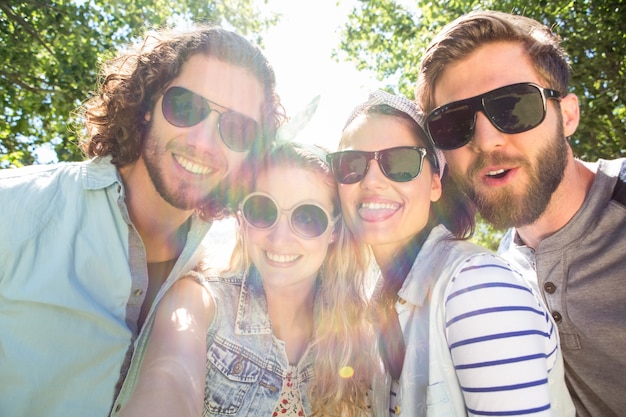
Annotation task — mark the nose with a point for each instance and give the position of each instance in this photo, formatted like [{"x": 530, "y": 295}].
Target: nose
[
  {"x": 486, "y": 136},
  {"x": 205, "y": 136},
  {"x": 374, "y": 177},
  {"x": 281, "y": 231}
]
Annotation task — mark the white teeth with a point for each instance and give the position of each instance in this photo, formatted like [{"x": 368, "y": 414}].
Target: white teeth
[
  {"x": 281, "y": 258},
  {"x": 379, "y": 206},
  {"x": 192, "y": 167},
  {"x": 496, "y": 172}
]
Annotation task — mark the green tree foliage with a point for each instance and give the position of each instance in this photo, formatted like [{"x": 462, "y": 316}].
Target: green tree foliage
[
  {"x": 388, "y": 37},
  {"x": 51, "y": 51}
]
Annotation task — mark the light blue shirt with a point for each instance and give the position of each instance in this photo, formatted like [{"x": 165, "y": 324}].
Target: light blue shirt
[{"x": 73, "y": 276}]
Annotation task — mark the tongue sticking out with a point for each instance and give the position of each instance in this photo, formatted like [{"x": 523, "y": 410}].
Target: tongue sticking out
[{"x": 373, "y": 212}]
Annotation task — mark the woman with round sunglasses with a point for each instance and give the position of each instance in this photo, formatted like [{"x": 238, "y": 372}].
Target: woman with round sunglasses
[
  {"x": 460, "y": 332},
  {"x": 288, "y": 330}
]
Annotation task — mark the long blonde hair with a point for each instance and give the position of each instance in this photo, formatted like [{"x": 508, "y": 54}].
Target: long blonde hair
[{"x": 343, "y": 341}]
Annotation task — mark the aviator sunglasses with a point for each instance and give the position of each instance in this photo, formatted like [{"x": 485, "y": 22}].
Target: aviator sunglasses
[
  {"x": 400, "y": 164},
  {"x": 184, "y": 108},
  {"x": 307, "y": 220},
  {"x": 512, "y": 109}
]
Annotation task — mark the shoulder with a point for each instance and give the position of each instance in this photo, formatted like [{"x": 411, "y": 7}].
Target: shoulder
[
  {"x": 487, "y": 267},
  {"x": 189, "y": 297}
]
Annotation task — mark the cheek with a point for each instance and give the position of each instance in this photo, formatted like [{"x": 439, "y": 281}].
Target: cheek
[
  {"x": 236, "y": 163},
  {"x": 458, "y": 159},
  {"x": 348, "y": 195}
]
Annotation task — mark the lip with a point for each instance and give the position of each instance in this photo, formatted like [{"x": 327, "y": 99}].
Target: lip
[
  {"x": 377, "y": 209},
  {"x": 497, "y": 176},
  {"x": 282, "y": 260},
  {"x": 190, "y": 166}
]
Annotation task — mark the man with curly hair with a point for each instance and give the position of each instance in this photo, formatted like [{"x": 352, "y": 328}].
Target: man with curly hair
[{"x": 88, "y": 248}]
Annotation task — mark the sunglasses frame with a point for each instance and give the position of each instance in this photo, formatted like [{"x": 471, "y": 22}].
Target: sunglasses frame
[
  {"x": 376, "y": 155},
  {"x": 210, "y": 106},
  {"x": 477, "y": 103},
  {"x": 331, "y": 221}
]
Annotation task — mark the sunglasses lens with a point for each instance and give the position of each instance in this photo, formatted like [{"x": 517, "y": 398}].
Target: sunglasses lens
[
  {"x": 349, "y": 166},
  {"x": 451, "y": 126},
  {"x": 183, "y": 108},
  {"x": 238, "y": 131},
  {"x": 260, "y": 211},
  {"x": 401, "y": 164},
  {"x": 309, "y": 220},
  {"x": 515, "y": 109}
]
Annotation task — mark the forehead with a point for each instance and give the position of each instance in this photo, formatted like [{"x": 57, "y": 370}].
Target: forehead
[
  {"x": 373, "y": 132},
  {"x": 228, "y": 85},
  {"x": 488, "y": 67},
  {"x": 290, "y": 185}
]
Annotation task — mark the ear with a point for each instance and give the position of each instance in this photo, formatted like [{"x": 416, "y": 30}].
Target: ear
[
  {"x": 147, "y": 117},
  {"x": 435, "y": 187},
  {"x": 570, "y": 113},
  {"x": 333, "y": 237}
]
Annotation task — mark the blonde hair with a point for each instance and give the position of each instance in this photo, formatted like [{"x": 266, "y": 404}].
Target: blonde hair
[{"x": 343, "y": 340}]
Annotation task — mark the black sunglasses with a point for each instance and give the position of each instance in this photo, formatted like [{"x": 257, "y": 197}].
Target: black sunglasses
[
  {"x": 400, "y": 164},
  {"x": 512, "y": 109},
  {"x": 307, "y": 220},
  {"x": 184, "y": 108}
]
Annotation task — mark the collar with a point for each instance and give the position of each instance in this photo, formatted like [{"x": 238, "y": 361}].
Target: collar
[
  {"x": 421, "y": 277},
  {"x": 252, "y": 316},
  {"x": 98, "y": 173}
]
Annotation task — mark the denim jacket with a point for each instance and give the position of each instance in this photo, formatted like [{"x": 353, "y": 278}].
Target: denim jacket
[{"x": 246, "y": 363}]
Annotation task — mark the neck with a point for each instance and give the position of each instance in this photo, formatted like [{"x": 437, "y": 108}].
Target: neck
[
  {"x": 160, "y": 225},
  {"x": 396, "y": 267},
  {"x": 291, "y": 312},
  {"x": 567, "y": 199}
]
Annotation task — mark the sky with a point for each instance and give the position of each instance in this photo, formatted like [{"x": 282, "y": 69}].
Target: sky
[{"x": 299, "y": 48}]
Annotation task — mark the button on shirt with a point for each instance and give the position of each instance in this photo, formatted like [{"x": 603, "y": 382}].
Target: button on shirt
[{"x": 73, "y": 277}]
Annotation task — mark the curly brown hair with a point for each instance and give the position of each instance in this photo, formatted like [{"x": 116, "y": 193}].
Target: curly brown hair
[{"x": 133, "y": 81}]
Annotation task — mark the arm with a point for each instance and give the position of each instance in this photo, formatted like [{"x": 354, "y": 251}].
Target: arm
[
  {"x": 172, "y": 376},
  {"x": 501, "y": 339}
]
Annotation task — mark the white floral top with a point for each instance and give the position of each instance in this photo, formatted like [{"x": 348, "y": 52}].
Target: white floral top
[{"x": 289, "y": 403}]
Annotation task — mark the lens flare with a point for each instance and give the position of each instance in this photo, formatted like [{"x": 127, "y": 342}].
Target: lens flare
[{"x": 346, "y": 372}]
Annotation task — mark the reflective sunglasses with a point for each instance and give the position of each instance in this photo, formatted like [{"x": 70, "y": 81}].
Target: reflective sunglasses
[
  {"x": 512, "y": 109},
  {"x": 400, "y": 164},
  {"x": 184, "y": 108},
  {"x": 307, "y": 220}
]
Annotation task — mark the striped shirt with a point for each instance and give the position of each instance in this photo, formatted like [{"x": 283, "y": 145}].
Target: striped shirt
[
  {"x": 479, "y": 341},
  {"x": 502, "y": 341}
]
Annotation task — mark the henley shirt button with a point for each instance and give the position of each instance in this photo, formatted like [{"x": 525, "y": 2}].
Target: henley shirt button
[
  {"x": 396, "y": 410},
  {"x": 138, "y": 293},
  {"x": 557, "y": 316},
  {"x": 118, "y": 407},
  {"x": 549, "y": 287}
]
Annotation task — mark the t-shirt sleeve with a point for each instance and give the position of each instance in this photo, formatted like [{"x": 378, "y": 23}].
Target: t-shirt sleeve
[{"x": 502, "y": 342}]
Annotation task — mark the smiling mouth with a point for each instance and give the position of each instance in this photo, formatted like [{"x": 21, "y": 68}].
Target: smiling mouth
[
  {"x": 192, "y": 167},
  {"x": 283, "y": 259},
  {"x": 498, "y": 173},
  {"x": 379, "y": 206}
]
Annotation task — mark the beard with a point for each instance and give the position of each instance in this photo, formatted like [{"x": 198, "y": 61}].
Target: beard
[
  {"x": 503, "y": 208},
  {"x": 181, "y": 195}
]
